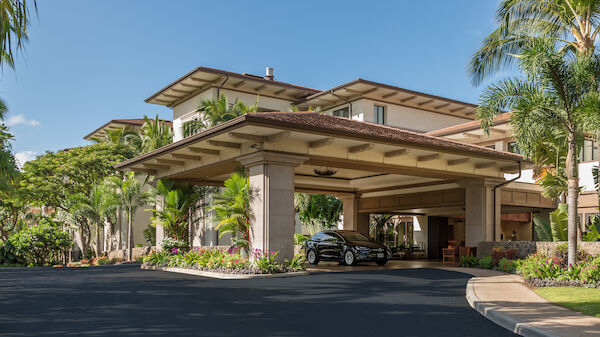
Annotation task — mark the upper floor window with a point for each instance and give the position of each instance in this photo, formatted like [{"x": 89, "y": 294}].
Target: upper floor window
[
  {"x": 513, "y": 147},
  {"x": 589, "y": 151},
  {"x": 343, "y": 112},
  {"x": 379, "y": 114}
]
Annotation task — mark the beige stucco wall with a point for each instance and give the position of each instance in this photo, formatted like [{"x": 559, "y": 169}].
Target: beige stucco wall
[{"x": 193, "y": 103}]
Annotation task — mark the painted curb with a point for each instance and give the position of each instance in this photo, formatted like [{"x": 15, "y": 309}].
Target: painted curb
[
  {"x": 222, "y": 276},
  {"x": 506, "y": 321}
]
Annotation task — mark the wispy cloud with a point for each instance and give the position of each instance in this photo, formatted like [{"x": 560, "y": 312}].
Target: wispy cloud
[
  {"x": 24, "y": 156},
  {"x": 21, "y": 119}
]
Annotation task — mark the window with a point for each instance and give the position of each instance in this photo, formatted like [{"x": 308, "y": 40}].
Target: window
[
  {"x": 513, "y": 147},
  {"x": 379, "y": 114},
  {"x": 343, "y": 112},
  {"x": 589, "y": 151}
]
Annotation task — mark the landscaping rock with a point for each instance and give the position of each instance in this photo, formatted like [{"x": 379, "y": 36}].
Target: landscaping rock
[{"x": 136, "y": 252}]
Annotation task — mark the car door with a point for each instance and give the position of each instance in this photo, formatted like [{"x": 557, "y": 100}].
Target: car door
[{"x": 329, "y": 246}]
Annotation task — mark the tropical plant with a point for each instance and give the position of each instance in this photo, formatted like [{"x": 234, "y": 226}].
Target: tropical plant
[
  {"x": 593, "y": 233},
  {"x": 154, "y": 134},
  {"x": 294, "y": 108},
  {"x": 41, "y": 244},
  {"x": 556, "y": 229},
  {"x": 265, "y": 261},
  {"x": 14, "y": 18},
  {"x": 125, "y": 136},
  {"x": 232, "y": 210},
  {"x": 216, "y": 111},
  {"x": 318, "y": 211},
  {"x": 572, "y": 26},
  {"x": 559, "y": 93},
  {"x": 131, "y": 195}
]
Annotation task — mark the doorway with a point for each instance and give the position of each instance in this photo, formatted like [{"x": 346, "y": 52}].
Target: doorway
[{"x": 437, "y": 237}]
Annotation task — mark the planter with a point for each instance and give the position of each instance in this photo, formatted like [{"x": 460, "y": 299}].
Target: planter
[{"x": 224, "y": 276}]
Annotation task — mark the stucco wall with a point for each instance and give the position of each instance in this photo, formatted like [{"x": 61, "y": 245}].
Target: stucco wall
[{"x": 526, "y": 248}]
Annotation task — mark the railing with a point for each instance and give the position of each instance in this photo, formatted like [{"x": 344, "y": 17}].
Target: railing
[{"x": 191, "y": 128}]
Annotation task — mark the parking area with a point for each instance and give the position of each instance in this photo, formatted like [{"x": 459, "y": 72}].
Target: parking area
[{"x": 124, "y": 300}]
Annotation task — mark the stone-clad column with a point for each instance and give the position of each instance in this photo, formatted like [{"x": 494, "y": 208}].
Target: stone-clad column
[
  {"x": 271, "y": 177},
  {"x": 479, "y": 210},
  {"x": 353, "y": 220}
]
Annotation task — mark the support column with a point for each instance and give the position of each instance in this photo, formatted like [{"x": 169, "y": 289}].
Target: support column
[
  {"x": 353, "y": 220},
  {"x": 271, "y": 177},
  {"x": 160, "y": 231},
  {"x": 479, "y": 210}
]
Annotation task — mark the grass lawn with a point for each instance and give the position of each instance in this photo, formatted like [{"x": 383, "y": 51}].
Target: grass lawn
[{"x": 584, "y": 300}]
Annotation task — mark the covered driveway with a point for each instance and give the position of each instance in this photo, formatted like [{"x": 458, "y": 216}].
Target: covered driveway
[{"x": 370, "y": 167}]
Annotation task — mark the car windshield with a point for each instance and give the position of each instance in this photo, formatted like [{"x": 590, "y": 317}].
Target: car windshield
[{"x": 354, "y": 236}]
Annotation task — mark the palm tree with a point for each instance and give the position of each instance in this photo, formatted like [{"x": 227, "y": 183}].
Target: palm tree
[
  {"x": 232, "y": 208},
  {"x": 558, "y": 93},
  {"x": 216, "y": 111},
  {"x": 294, "y": 108},
  {"x": 14, "y": 20},
  {"x": 154, "y": 134},
  {"x": 96, "y": 207},
  {"x": 124, "y": 136},
  {"x": 129, "y": 191},
  {"x": 571, "y": 25}
]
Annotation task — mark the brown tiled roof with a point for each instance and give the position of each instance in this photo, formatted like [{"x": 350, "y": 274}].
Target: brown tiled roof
[
  {"x": 370, "y": 131},
  {"x": 337, "y": 126},
  {"x": 474, "y": 125}
]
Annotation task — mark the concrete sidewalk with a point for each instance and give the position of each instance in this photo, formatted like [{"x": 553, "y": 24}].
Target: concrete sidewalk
[{"x": 507, "y": 301}]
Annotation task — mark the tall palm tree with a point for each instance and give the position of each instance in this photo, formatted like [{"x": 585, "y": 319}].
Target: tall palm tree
[
  {"x": 14, "y": 21},
  {"x": 131, "y": 195},
  {"x": 216, "y": 111},
  {"x": 154, "y": 134},
  {"x": 571, "y": 25},
  {"x": 127, "y": 136},
  {"x": 558, "y": 93}
]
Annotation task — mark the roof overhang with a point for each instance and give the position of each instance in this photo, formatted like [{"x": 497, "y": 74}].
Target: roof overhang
[
  {"x": 361, "y": 88},
  {"x": 369, "y": 157},
  {"x": 202, "y": 78},
  {"x": 117, "y": 124}
]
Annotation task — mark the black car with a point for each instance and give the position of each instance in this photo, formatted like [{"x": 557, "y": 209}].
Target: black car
[{"x": 348, "y": 247}]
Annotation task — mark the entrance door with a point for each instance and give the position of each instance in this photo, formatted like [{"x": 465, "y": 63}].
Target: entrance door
[{"x": 437, "y": 237}]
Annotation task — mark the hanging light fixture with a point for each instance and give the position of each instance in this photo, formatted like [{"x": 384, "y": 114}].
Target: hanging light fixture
[{"x": 325, "y": 171}]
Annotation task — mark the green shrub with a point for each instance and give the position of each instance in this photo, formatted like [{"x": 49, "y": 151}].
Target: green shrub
[
  {"x": 501, "y": 253},
  {"x": 506, "y": 265},
  {"x": 300, "y": 239},
  {"x": 561, "y": 254},
  {"x": 38, "y": 245},
  {"x": 296, "y": 263},
  {"x": 540, "y": 266},
  {"x": 157, "y": 258},
  {"x": 486, "y": 263},
  {"x": 168, "y": 244},
  {"x": 102, "y": 260},
  {"x": 265, "y": 261},
  {"x": 469, "y": 262}
]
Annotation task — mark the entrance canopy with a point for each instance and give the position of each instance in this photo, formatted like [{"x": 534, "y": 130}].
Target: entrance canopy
[{"x": 366, "y": 157}]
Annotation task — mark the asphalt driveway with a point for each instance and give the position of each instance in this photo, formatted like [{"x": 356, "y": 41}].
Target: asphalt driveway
[{"x": 124, "y": 300}]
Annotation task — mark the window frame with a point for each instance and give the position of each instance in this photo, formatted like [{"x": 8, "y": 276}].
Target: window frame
[{"x": 376, "y": 114}]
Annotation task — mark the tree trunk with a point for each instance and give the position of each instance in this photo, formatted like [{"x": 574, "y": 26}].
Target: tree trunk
[
  {"x": 98, "y": 247},
  {"x": 130, "y": 237},
  {"x": 572, "y": 193}
]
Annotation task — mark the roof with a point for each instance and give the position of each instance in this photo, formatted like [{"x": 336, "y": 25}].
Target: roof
[
  {"x": 336, "y": 126},
  {"x": 474, "y": 125},
  {"x": 388, "y": 93},
  {"x": 202, "y": 78},
  {"x": 119, "y": 123}
]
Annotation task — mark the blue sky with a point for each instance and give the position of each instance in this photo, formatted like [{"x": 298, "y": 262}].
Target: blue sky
[{"x": 88, "y": 62}]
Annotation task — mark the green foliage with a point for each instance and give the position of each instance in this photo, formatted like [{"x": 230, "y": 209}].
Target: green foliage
[
  {"x": 542, "y": 228},
  {"x": 300, "y": 239},
  {"x": 103, "y": 260},
  {"x": 318, "y": 211},
  {"x": 40, "y": 245},
  {"x": 232, "y": 209},
  {"x": 486, "y": 263},
  {"x": 154, "y": 134},
  {"x": 469, "y": 262},
  {"x": 593, "y": 234},
  {"x": 14, "y": 16},
  {"x": 265, "y": 261},
  {"x": 160, "y": 258},
  {"x": 506, "y": 265},
  {"x": 169, "y": 243},
  {"x": 150, "y": 235},
  {"x": 125, "y": 136},
  {"x": 216, "y": 111},
  {"x": 297, "y": 263},
  {"x": 556, "y": 229},
  {"x": 178, "y": 203}
]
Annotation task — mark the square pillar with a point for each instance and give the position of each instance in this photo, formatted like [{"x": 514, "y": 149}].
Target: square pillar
[
  {"x": 160, "y": 231},
  {"x": 353, "y": 220},
  {"x": 479, "y": 210},
  {"x": 271, "y": 177}
]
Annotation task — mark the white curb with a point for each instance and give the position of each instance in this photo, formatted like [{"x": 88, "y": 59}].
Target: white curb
[
  {"x": 492, "y": 313},
  {"x": 223, "y": 276}
]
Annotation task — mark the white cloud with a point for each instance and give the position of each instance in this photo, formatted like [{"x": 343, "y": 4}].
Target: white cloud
[
  {"x": 21, "y": 119},
  {"x": 24, "y": 156}
]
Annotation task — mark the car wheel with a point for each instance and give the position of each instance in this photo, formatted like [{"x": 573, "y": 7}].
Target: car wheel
[
  {"x": 349, "y": 258},
  {"x": 381, "y": 262},
  {"x": 312, "y": 257}
]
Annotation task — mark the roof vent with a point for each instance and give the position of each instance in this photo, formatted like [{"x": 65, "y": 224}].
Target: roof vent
[{"x": 269, "y": 74}]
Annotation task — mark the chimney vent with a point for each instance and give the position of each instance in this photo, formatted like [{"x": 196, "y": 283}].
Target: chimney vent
[{"x": 269, "y": 74}]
